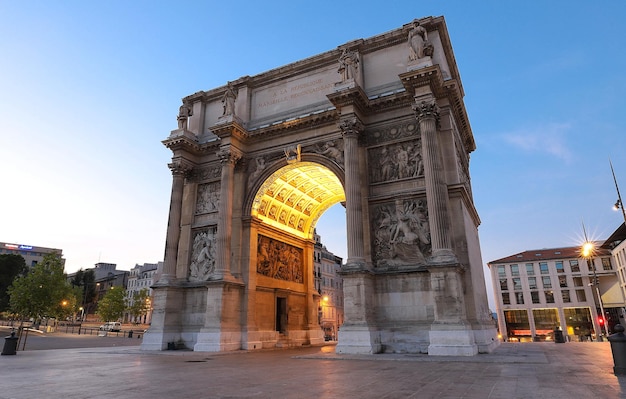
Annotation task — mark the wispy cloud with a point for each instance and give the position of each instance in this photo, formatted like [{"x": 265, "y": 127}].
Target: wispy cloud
[{"x": 549, "y": 139}]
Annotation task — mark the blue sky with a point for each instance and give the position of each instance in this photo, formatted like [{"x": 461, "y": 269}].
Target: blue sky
[{"x": 89, "y": 89}]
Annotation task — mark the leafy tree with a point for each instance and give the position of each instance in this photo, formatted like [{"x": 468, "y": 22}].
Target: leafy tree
[
  {"x": 85, "y": 281},
  {"x": 140, "y": 304},
  {"x": 11, "y": 266},
  {"x": 112, "y": 306},
  {"x": 40, "y": 292}
]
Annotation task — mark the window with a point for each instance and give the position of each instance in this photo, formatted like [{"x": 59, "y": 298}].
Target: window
[
  {"x": 501, "y": 271},
  {"x": 580, "y": 296},
  {"x": 514, "y": 270},
  {"x": 573, "y": 264},
  {"x": 547, "y": 283},
  {"x": 578, "y": 281},
  {"x": 517, "y": 284},
  {"x": 562, "y": 281},
  {"x": 543, "y": 266},
  {"x": 591, "y": 265},
  {"x": 530, "y": 270},
  {"x": 565, "y": 296},
  {"x": 606, "y": 264},
  {"x": 519, "y": 298},
  {"x": 559, "y": 266},
  {"x": 505, "y": 298},
  {"x": 532, "y": 283},
  {"x": 549, "y": 296},
  {"x": 534, "y": 295},
  {"x": 503, "y": 285}
]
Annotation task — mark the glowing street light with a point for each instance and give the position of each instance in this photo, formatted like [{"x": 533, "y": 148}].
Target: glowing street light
[{"x": 588, "y": 251}]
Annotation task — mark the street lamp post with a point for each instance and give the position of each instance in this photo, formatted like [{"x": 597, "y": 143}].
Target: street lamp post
[
  {"x": 587, "y": 252},
  {"x": 618, "y": 204}
]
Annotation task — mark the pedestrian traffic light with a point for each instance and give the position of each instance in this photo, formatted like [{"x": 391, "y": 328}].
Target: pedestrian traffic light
[{"x": 600, "y": 321}]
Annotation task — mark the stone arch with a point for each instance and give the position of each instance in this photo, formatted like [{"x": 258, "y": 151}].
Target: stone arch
[{"x": 338, "y": 129}]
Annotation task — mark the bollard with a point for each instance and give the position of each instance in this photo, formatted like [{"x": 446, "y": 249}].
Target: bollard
[
  {"x": 558, "y": 336},
  {"x": 618, "y": 348},
  {"x": 10, "y": 344}
]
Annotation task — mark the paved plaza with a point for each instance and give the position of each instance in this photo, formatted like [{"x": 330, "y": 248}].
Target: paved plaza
[{"x": 528, "y": 370}]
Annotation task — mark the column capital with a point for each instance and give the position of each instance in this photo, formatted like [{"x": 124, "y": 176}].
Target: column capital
[
  {"x": 351, "y": 126},
  {"x": 229, "y": 155},
  {"x": 180, "y": 167},
  {"x": 426, "y": 109}
]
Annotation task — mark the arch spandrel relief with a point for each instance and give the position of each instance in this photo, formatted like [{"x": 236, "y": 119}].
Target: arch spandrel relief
[
  {"x": 203, "y": 254},
  {"x": 401, "y": 233}
]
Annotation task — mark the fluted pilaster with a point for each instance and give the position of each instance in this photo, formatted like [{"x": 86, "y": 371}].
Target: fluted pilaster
[
  {"x": 351, "y": 128},
  {"x": 427, "y": 114},
  {"x": 228, "y": 157},
  {"x": 180, "y": 169}
]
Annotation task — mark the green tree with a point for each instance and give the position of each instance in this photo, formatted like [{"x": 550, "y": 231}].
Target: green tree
[
  {"x": 140, "y": 304},
  {"x": 112, "y": 306},
  {"x": 42, "y": 291},
  {"x": 85, "y": 281},
  {"x": 11, "y": 266}
]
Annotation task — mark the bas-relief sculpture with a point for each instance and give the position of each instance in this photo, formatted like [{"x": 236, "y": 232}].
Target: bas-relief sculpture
[
  {"x": 279, "y": 260},
  {"x": 208, "y": 198},
  {"x": 202, "y": 263},
  {"x": 396, "y": 161},
  {"x": 395, "y": 136},
  {"x": 402, "y": 233}
]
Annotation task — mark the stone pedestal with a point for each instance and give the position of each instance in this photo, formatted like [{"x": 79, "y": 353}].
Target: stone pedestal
[
  {"x": 358, "y": 340},
  {"x": 448, "y": 340}
]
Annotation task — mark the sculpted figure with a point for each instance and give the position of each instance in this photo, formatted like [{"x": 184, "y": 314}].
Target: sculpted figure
[
  {"x": 419, "y": 47},
  {"x": 260, "y": 166},
  {"x": 348, "y": 65},
  {"x": 228, "y": 100},
  {"x": 184, "y": 112},
  {"x": 203, "y": 257},
  {"x": 330, "y": 150}
]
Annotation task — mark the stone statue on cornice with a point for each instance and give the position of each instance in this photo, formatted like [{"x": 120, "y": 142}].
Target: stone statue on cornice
[
  {"x": 184, "y": 112},
  {"x": 228, "y": 100},
  {"x": 348, "y": 65},
  {"x": 419, "y": 46}
]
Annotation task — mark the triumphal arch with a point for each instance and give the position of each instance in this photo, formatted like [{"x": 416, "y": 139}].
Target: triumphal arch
[{"x": 376, "y": 124}]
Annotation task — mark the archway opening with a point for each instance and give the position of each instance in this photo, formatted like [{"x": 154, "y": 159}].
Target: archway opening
[{"x": 294, "y": 197}]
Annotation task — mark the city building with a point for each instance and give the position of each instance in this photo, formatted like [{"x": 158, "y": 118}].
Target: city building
[
  {"x": 541, "y": 291},
  {"x": 141, "y": 277},
  {"x": 31, "y": 254},
  {"x": 107, "y": 277},
  {"x": 329, "y": 285}
]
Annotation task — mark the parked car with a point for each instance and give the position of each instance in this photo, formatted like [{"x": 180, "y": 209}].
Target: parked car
[{"x": 113, "y": 326}]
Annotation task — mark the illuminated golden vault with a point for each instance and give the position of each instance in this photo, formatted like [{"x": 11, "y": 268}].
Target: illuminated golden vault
[{"x": 295, "y": 196}]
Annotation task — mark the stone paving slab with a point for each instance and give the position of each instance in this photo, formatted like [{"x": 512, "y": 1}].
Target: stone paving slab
[{"x": 529, "y": 370}]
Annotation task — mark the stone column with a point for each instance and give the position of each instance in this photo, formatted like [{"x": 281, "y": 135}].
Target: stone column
[
  {"x": 350, "y": 129},
  {"x": 228, "y": 156},
  {"x": 179, "y": 169},
  {"x": 427, "y": 114}
]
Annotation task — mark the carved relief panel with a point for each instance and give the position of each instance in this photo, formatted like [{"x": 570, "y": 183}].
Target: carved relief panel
[
  {"x": 401, "y": 233},
  {"x": 279, "y": 260},
  {"x": 396, "y": 161},
  {"x": 208, "y": 198},
  {"x": 203, "y": 254}
]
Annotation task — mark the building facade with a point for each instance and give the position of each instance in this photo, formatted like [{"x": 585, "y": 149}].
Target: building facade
[
  {"x": 31, "y": 254},
  {"x": 540, "y": 291},
  {"x": 141, "y": 277},
  {"x": 329, "y": 284}
]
